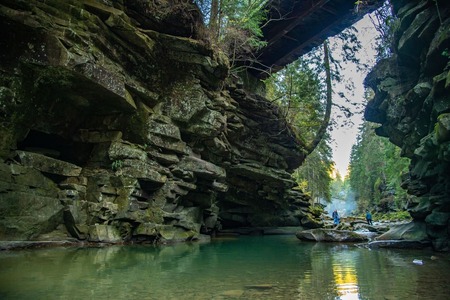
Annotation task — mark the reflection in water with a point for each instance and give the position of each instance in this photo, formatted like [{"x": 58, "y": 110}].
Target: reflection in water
[
  {"x": 345, "y": 278},
  {"x": 244, "y": 268}
]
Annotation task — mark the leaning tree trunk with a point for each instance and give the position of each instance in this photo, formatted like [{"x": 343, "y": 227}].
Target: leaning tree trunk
[{"x": 326, "y": 120}]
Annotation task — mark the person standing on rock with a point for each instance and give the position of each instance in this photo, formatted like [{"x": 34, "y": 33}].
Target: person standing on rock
[
  {"x": 369, "y": 217},
  {"x": 335, "y": 216}
]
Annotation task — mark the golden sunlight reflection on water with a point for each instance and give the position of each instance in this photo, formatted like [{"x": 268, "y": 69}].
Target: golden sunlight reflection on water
[{"x": 345, "y": 277}]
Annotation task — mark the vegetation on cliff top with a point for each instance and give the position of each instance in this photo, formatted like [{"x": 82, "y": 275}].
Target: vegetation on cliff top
[{"x": 235, "y": 27}]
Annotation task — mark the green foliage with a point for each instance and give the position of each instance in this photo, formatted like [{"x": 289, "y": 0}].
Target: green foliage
[
  {"x": 235, "y": 26},
  {"x": 375, "y": 172},
  {"x": 246, "y": 15},
  {"x": 315, "y": 172},
  {"x": 392, "y": 216},
  {"x": 297, "y": 91},
  {"x": 340, "y": 188},
  {"x": 316, "y": 210},
  {"x": 117, "y": 165}
]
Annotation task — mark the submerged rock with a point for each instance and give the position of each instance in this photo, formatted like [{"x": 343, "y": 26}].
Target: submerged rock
[{"x": 401, "y": 244}]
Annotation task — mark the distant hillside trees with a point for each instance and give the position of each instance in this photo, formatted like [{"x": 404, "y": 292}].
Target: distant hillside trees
[
  {"x": 314, "y": 175},
  {"x": 375, "y": 172}
]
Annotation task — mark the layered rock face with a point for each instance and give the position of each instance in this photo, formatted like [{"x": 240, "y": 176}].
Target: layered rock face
[
  {"x": 118, "y": 123},
  {"x": 412, "y": 102}
]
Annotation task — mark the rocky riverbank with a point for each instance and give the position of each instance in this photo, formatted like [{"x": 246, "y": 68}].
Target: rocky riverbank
[{"x": 385, "y": 234}]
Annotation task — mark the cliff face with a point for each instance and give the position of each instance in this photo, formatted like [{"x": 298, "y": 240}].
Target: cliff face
[
  {"x": 412, "y": 104},
  {"x": 118, "y": 124}
]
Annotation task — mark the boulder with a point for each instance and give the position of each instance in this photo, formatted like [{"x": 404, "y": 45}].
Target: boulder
[
  {"x": 29, "y": 204},
  {"x": 141, "y": 170},
  {"x": 413, "y": 231},
  {"x": 330, "y": 235},
  {"x": 162, "y": 126},
  {"x": 171, "y": 234},
  {"x": 209, "y": 124},
  {"x": 149, "y": 230},
  {"x": 104, "y": 234},
  {"x": 119, "y": 150},
  {"x": 185, "y": 101},
  {"x": 75, "y": 218}
]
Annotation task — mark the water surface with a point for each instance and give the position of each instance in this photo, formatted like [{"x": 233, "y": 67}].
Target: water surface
[{"x": 267, "y": 267}]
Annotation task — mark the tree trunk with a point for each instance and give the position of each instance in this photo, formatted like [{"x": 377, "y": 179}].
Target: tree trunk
[
  {"x": 214, "y": 20},
  {"x": 326, "y": 120}
]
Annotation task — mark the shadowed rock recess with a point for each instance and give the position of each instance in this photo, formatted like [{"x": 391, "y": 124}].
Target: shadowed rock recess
[
  {"x": 119, "y": 124},
  {"x": 412, "y": 104}
]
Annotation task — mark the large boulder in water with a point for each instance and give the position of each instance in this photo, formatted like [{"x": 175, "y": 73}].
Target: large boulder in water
[
  {"x": 410, "y": 236},
  {"x": 413, "y": 231},
  {"x": 330, "y": 235}
]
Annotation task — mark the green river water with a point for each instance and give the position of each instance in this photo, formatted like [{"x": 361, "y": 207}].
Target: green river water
[{"x": 263, "y": 267}]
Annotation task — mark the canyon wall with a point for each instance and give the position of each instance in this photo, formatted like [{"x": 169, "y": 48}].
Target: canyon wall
[
  {"x": 412, "y": 104},
  {"x": 119, "y": 122}
]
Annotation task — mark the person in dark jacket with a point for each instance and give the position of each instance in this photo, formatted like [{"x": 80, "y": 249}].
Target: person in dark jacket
[
  {"x": 335, "y": 216},
  {"x": 369, "y": 218}
]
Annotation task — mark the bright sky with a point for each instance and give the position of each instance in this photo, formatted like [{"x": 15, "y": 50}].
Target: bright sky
[{"x": 345, "y": 137}]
